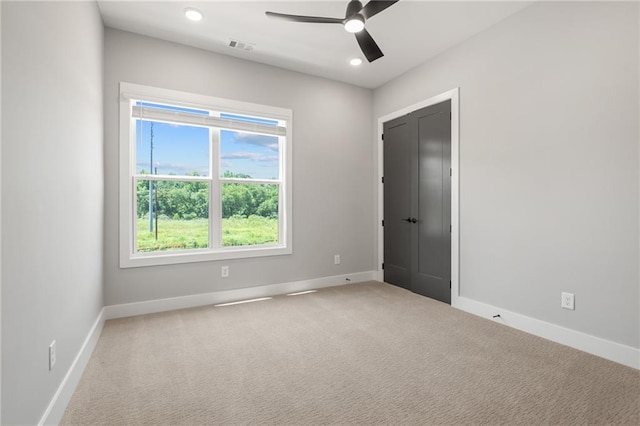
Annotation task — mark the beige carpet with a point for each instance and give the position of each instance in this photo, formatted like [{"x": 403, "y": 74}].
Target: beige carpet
[{"x": 367, "y": 353}]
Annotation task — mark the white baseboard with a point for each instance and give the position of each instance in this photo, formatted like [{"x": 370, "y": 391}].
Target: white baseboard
[
  {"x": 612, "y": 351},
  {"x": 170, "y": 304},
  {"x": 54, "y": 412}
]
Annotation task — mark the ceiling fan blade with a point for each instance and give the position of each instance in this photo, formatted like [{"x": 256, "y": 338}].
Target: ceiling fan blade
[
  {"x": 376, "y": 6},
  {"x": 299, "y": 18},
  {"x": 368, "y": 45}
]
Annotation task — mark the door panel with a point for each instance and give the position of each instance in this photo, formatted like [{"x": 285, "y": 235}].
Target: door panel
[
  {"x": 397, "y": 206},
  {"x": 417, "y": 161},
  {"x": 433, "y": 271},
  {"x": 430, "y": 228}
]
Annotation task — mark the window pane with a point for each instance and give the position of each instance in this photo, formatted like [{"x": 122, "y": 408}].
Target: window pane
[
  {"x": 171, "y": 149},
  {"x": 177, "y": 219},
  {"x": 249, "y": 214},
  {"x": 173, "y": 108},
  {"x": 248, "y": 155}
]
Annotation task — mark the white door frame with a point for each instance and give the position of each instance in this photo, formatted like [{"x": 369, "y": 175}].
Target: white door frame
[
  {"x": 452, "y": 95},
  {"x": 0, "y": 224}
]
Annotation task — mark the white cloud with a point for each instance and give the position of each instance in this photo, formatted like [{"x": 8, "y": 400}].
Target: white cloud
[
  {"x": 253, "y": 156},
  {"x": 179, "y": 169},
  {"x": 270, "y": 142}
]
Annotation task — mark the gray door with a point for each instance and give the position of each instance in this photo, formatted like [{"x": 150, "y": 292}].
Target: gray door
[
  {"x": 417, "y": 201},
  {"x": 397, "y": 202}
]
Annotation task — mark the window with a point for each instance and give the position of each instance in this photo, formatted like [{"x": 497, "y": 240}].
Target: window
[{"x": 201, "y": 178}]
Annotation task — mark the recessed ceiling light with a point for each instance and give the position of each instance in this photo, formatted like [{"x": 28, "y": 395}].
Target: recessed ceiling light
[
  {"x": 355, "y": 62},
  {"x": 193, "y": 14}
]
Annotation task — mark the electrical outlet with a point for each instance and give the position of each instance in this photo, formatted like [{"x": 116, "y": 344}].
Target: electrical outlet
[
  {"x": 567, "y": 301},
  {"x": 336, "y": 259},
  {"x": 52, "y": 355},
  {"x": 224, "y": 272}
]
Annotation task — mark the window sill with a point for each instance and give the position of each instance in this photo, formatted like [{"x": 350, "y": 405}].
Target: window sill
[{"x": 205, "y": 255}]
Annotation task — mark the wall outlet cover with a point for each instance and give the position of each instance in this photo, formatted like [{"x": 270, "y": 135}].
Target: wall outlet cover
[
  {"x": 567, "y": 301},
  {"x": 52, "y": 355}
]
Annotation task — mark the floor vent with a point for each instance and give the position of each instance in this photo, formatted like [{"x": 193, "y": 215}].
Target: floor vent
[{"x": 247, "y": 47}]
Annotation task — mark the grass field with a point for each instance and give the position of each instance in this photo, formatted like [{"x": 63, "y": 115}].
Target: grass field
[{"x": 191, "y": 234}]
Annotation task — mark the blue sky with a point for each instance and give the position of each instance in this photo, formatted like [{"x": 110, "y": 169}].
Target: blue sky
[{"x": 179, "y": 149}]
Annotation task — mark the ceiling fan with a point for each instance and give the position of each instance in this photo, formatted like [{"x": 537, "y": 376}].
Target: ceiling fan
[{"x": 355, "y": 17}]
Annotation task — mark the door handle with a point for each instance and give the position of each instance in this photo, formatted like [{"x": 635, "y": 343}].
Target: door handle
[
  {"x": 407, "y": 220},
  {"x": 414, "y": 220},
  {"x": 410, "y": 220}
]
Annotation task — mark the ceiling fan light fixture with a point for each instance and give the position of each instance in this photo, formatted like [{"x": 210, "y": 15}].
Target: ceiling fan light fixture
[
  {"x": 354, "y": 24},
  {"x": 355, "y": 62},
  {"x": 193, "y": 14}
]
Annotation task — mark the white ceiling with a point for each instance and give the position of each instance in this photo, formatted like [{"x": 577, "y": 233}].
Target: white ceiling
[{"x": 409, "y": 33}]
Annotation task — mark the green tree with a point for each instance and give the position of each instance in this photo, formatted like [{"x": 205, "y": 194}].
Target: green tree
[{"x": 190, "y": 200}]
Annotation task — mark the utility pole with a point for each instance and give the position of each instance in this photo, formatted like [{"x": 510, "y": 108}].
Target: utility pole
[
  {"x": 155, "y": 173},
  {"x": 151, "y": 183}
]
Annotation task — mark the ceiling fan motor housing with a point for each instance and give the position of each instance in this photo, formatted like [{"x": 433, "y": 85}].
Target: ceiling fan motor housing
[{"x": 353, "y": 8}]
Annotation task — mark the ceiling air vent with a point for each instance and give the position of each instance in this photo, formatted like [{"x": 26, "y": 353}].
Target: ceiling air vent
[{"x": 247, "y": 47}]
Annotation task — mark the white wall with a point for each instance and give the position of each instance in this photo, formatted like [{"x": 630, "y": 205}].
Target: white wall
[
  {"x": 52, "y": 195},
  {"x": 549, "y": 162},
  {"x": 332, "y": 174},
  {"x": 0, "y": 210}
]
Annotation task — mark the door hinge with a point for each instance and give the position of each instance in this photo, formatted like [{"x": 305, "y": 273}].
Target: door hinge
[
  {"x": 449, "y": 283},
  {"x": 449, "y": 116},
  {"x": 449, "y": 228},
  {"x": 383, "y": 136},
  {"x": 450, "y": 171},
  {"x": 382, "y": 222},
  {"x": 383, "y": 266},
  {"x": 382, "y": 179}
]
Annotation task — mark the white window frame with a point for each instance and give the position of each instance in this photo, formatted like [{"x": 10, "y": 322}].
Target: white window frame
[{"x": 131, "y": 93}]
